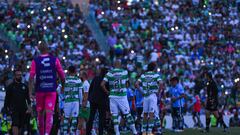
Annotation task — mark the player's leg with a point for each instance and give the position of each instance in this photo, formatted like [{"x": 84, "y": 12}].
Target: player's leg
[
  {"x": 180, "y": 118},
  {"x": 114, "y": 112},
  {"x": 67, "y": 114},
  {"x": 157, "y": 124},
  {"x": 50, "y": 101},
  {"x": 152, "y": 110},
  {"x": 75, "y": 111},
  {"x": 207, "y": 113},
  {"x": 174, "y": 117},
  {"x": 40, "y": 104},
  {"x": 125, "y": 109},
  {"x": 145, "y": 115},
  {"x": 220, "y": 119}
]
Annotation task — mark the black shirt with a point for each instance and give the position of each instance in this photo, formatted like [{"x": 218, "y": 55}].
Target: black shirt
[
  {"x": 212, "y": 91},
  {"x": 96, "y": 93},
  {"x": 17, "y": 97}
]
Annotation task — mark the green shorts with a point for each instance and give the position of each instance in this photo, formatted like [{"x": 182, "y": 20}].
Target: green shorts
[{"x": 84, "y": 113}]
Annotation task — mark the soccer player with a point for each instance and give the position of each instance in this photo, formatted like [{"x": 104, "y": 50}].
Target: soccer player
[
  {"x": 177, "y": 98},
  {"x": 212, "y": 102},
  {"x": 150, "y": 81},
  {"x": 117, "y": 79},
  {"x": 45, "y": 68},
  {"x": 85, "y": 106},
  {"x": 71, "y": 101}
]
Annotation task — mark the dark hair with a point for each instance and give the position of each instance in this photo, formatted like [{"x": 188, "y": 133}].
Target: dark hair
[
  {"x": 175, "y": 78},
  {"x": 17, "y": 70},
  {"x": 71, "y": 69},
  {"x": 208, "y": 74},
  {"x": 103, "y": 72},
  {"x": 43, "y": 47},
  {"x": 151, "y": 66}
]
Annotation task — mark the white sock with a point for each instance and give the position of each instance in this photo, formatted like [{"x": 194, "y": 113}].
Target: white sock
[
  {"x": 116, "y": 129},
  {"x": 132, "y": 127}
]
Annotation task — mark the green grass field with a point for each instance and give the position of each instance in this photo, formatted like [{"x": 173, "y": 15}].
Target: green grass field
[{"x": 213, "y": 131}]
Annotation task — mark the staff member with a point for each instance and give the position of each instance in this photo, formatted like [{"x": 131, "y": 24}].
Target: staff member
[
  {"x": 212, "y": 102},
  {"x": 17, "y": 102},
  {"x": 98, "y": 102}
]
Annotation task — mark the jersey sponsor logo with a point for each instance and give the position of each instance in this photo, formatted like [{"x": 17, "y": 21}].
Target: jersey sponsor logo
[
  {"x": 46, "y": 85},
  {"x": 45, "y": 62}
]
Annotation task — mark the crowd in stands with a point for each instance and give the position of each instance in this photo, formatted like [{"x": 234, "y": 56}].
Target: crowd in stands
[
  {"x": 60, "y": 24},
  {"x": 180, "y": 36}
]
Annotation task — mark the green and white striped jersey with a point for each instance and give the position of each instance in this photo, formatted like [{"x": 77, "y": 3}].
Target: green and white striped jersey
[
  {"x": 150, "y": 82},
  {"x": 117, "y": 79},
  {"x": 71, "y": 89}
]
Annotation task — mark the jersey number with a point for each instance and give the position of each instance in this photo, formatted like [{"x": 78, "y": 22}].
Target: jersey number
[{"x": 117, "y": 85}]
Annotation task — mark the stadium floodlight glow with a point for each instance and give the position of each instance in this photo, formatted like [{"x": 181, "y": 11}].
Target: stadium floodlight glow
[
  {"x": 236, "y": 80},
  {"x": 156, "y": 2},
  {"x": 129, "y": 3},
  {"x": 44, "y": 10},
  {"x": 210, "y": 13},
  {"x": 29, "y": 26},
  {"x": 6, "y": 57},
  {"x": 222, "y": 86},
  {"x": 132, "y": 51},
  {"x": 32, "y": 12},
  {"x": 118, "y": 1},
  {"x": 59, "y": 17},
  {"x": 158, "y": 69},
  {"x": 12, "y": 68},
  {"x": 97, "y": 60},
  {"x": 28, "y": 67},
  {"x": 49, "y": 8},
  {"x": 226, "y": 92},
  {"x": 78, "y": 74},
  {"x": 204, "y": 6},
  {"x": 3, "y": 89},
  {"x": 65, "y": 71},
  {"x": 63, "y": 30},
  {"x": 119, "y": 8},
  {"x": 65, "y": 36},
  {"x": 45, "y": 27},
  {"x": 18, "y": 26},
  {"x": 172, "y": 29},
  {"x": 202, "y": 61},
  {"x": 102, "y": 13},
  {"x": 64, "y": 57},
  {"x": 6, "y": 51},
  {"x": 176, "y": 27},
  {"x": 39, "y": 42},
  {"x": 211, "y": 63}
]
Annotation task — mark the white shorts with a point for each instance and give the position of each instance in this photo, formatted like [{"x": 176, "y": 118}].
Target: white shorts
[
  {"x": 118, "y": 104},
  {"x": 150, "y": 104},
  {"x": 71, "y": 109}
]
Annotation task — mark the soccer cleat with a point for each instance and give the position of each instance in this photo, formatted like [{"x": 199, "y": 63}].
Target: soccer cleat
[{"x": 205, "y": 131}]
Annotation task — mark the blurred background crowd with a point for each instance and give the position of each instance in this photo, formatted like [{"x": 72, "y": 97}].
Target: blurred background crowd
[{"x": 182, "y": 37}]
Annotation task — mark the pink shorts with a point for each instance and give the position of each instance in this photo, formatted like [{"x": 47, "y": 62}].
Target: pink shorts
[{"x": 45, "y": 101}]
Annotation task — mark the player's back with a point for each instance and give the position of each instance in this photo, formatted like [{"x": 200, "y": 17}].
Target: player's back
[
  {"x": 46, "y": 73},
  {"x": 117, "y": 79}
]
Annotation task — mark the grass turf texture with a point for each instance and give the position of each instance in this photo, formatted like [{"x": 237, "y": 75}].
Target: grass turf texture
[{"x": 213, "y": 131}]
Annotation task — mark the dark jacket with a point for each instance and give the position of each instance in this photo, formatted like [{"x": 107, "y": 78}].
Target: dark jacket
[
  {"x": 17, "y": 97},
  {"x": 212, "y": 91},
  {"x": 96, "y": 93}
]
